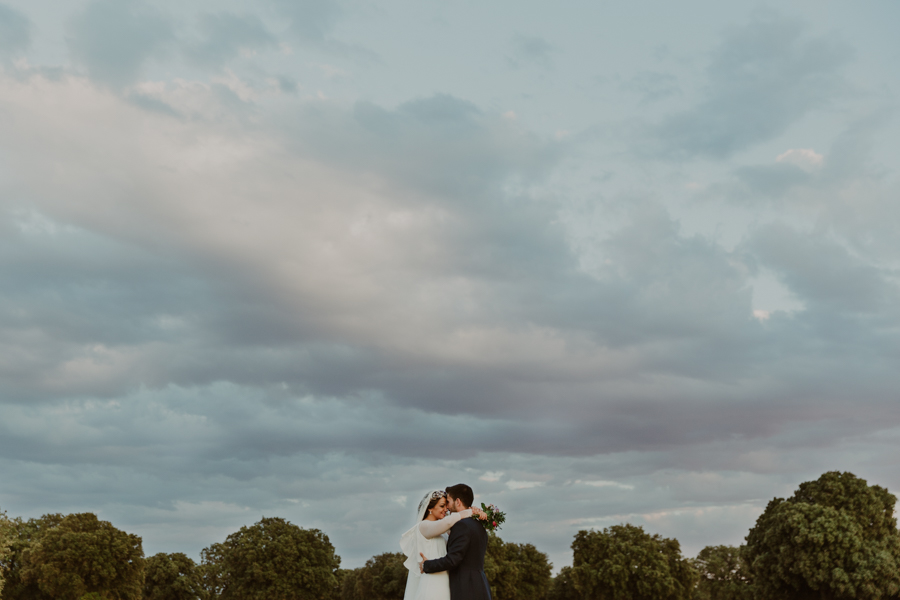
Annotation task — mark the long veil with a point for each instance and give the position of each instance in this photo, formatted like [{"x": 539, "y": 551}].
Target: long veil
[{"x": 408, "y": 540}]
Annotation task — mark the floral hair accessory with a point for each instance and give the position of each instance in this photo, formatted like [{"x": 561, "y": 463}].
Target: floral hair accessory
[{"x": 429, "y": 497}]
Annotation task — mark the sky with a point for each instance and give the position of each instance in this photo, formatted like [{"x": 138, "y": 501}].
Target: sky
[{"x": 604, "y": 262}]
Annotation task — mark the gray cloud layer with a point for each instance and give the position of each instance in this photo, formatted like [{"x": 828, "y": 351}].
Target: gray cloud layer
[
  {"x": 225, "y": 35},
  {"x": 114, "y": 39},
  {"x": 762, "y": 78},
  {"x": 15, "y": 31}
]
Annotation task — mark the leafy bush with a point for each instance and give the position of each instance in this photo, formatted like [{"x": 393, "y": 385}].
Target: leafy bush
[
  {"x": 625, "y": 563},
  {"x": 835, "y": 538},
  {"x": 272, "y": 559}
]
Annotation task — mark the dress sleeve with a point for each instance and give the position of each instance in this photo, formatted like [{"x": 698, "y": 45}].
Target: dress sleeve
[{"x": 432, "y": 529}]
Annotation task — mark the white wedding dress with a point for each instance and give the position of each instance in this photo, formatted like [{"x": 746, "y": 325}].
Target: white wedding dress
[{"x": 429, "y": 538}]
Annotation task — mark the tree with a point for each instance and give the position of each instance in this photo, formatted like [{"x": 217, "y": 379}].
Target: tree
[
  {"x": 339, "y": 575},
  {"x": 348, "y": 585},
  {"x": 83, "y": 555},
  {"x": 7, "y": 532},
  {"x": 22, "y": 535},
  {"x": 563, "y": 587},
  {"x": 272, "y": 559},
  {"x": 723, "y": 575},
  {"x": 836, "y": 537},
  {"x": 171, "y": 577},
  {"x": 624, "y": 563},
  {"x": 382, "y": 578},
  {"x": 516, "y": 571}
]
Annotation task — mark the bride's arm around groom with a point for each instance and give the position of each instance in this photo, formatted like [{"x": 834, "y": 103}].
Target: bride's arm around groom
[{"x": 432, "y": 529}]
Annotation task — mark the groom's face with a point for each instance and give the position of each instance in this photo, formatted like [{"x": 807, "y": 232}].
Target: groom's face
[{"x": 453, "y": 504}]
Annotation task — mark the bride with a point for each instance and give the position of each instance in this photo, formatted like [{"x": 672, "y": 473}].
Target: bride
[{"x": 428, "y": 537}]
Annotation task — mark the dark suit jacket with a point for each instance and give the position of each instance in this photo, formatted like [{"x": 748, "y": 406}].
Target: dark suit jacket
[{"x": 465, "y": 562}]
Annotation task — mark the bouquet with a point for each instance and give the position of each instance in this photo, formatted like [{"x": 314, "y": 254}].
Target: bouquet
[{"x": 490, "y": 517}]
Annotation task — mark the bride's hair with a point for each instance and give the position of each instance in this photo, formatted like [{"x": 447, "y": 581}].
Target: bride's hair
[{"x": 435, "y": 498}]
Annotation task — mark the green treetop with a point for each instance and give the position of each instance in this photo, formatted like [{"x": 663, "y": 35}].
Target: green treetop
[
  {"x": 516, "y": 571},
  {"x": 84, "y": 556},
  {"x": 382, "y": 578},
  {"x": 171, "y": 577},
  {"x": 272, "y": 559},
  {"x": 7, "y": 533},
  {"x": 723, "y": 575},
  {"x": 623, "y": 562},
  {"x": 835, "y": 538}
]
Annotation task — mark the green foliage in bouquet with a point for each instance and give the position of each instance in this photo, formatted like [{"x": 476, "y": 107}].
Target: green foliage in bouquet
[{"x": 492, "y": 517}]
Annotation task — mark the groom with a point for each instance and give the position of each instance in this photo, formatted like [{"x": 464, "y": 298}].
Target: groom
[{"x": 465, "y": 551}]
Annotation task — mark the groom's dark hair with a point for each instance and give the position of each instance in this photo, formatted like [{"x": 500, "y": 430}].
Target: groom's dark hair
[{"x": 462, "y": 492}]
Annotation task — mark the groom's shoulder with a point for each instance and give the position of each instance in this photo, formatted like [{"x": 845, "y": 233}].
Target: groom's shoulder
[
  {"x": 468, "y": 524},
  {"x": 473, "y": 529}
]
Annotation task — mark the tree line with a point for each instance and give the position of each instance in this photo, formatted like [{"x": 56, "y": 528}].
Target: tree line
[{"x": 835, "y": 538}]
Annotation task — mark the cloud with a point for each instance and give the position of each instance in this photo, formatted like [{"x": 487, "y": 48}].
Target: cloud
[
  {"x": 762, "y": 315},
  {"x": 309, "y": 21},
  {"x": 15, "y": 31},
  {"x": 754, "y": 182},
  {"x": 226, "y": 35},
  {"x": 762, "y": 78},
  {"x": 823, "y": 273},
  {"x": 174, "y": 466},
  {"x": 263, "y": 314},
  {"x": 441, "y": 144},
  {"x": 653, "y": 86},
  {"x": 293, "y": 277},
  {"x": 285, "y": 251},
  {"x": 531, "y": 50},
  {"x": 816, "y": 183},
  {"x": 614, "y": 484},
  {"x": 670, "y": 286},
  {"x": 523, "y": 485},
  {"x": 113, "y": 40},
  {"x": 795, "y": 169},
  {"x": 805, "y": 158}
]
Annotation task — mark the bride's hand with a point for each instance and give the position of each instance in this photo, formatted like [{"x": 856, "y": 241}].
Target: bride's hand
[{"x": 478, "y": 513}]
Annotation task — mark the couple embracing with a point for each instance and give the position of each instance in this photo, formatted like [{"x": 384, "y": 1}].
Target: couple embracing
[{"x": 455, "y": 570}]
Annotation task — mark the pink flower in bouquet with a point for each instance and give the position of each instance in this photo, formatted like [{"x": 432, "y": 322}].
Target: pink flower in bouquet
[{"x": 490, "y": 516}]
